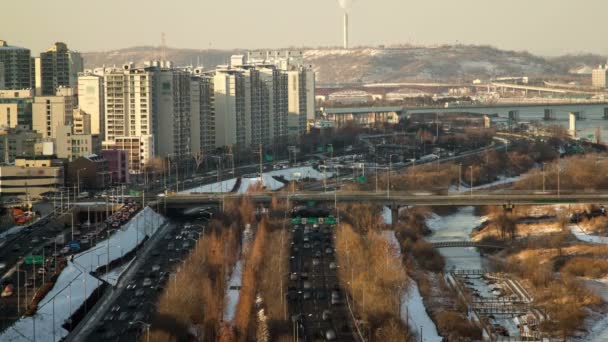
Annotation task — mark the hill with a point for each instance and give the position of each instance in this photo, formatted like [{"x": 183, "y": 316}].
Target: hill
[{"x": 394, "y": 64}]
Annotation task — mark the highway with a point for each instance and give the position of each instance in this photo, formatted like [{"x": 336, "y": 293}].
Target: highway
[
  {"x": 132, "y": 299},
  {"x": 183, "y": 201},
  {"x": 316, "y": 301}
]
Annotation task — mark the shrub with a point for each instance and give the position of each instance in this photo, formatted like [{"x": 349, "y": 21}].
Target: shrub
[
  {"x": 458, "y": 326},
  {"x": 586, "y": 267}
]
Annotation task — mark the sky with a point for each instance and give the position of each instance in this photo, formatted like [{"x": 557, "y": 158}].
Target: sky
[{"x": 545, "y": 27}]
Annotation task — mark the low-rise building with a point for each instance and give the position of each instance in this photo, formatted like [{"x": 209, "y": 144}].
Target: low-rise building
[
  {"x": 16, "y": 142},
  {"x": 90, "y": 172},
  {"x": 29, "y": 178},
  {"x": 118, "y": 165}
]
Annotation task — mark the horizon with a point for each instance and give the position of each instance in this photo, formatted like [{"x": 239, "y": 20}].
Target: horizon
[{"x": 539, "y": 29}]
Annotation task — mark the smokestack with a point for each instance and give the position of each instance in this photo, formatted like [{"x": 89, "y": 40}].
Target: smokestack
[{"x": 345, "y": 30}]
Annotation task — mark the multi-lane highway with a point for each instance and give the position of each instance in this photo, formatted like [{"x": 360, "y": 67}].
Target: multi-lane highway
[
  {"x": 399, "y": 198},
  {"x": 316, "y": 302},
  {"x": 124, "y": 311}
]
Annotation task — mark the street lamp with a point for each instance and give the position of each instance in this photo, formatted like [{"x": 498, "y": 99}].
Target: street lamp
[
  {"x": 390, "y": 165},
  {"x": 146, "y": 325},
  {"x": 471, "y": 167},
  {"x": 78, "y": 178}
]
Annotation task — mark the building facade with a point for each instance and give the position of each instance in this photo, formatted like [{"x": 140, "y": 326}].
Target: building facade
[
  {"x": 91, "y": 100},
  {"x": 129, "y": 113},
  {"x": 202, "y": 119},
  {"x": 118, "y": 165},
  {"x": 50, "y": 112},
  {"x": 90, "y": 172},
  {"x": 29, "y": 180},
  {"x": 598, "y": 76},
  {"x": 57, "y": 67},
  {"x": 16, "y": 66},
  {"x": 17, "y": 142},
  {"x": 16, "y": 107}
]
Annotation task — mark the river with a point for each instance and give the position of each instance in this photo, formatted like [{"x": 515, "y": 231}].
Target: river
[{"x": 457, "y": 227}]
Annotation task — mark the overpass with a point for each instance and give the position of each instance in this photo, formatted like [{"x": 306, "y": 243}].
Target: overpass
[
  {"x": 464, "y": 244},
  {"x": 394, "y": 198}
]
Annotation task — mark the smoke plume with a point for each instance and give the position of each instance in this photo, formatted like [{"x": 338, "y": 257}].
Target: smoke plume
[{"x": 345, "y": 4}]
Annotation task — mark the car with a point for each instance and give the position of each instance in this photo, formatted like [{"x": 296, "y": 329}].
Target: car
[
  {"x": 306, "y": 295},
  {"x": 329, "y": 251},
  {"x": 330, "y": 335},
  {"x": 293, "y": 276},
  {"x": 332, "y": 265},
  {"x": 306, "y": 284},
  {"x": 123, "y": 316},
  {"x": 133, "y": 303},
  {"x": 2, "y": 265},
  {"x": 306, "y": 246},
  {"x": 139, "y": 293},
  {"x": 320, "y": 295},
  {"x": 132, "y": 286},
  {"x": 316, "y": 261},
  {"x": 326, "y": 315},
  {"x": 109, "y": 317},
  {"x": 147, "y": 282},
  {"x": 115, "y": 308}
]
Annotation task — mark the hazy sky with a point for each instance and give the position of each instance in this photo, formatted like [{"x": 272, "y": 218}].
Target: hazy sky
[{"x": 548, "y": 27}]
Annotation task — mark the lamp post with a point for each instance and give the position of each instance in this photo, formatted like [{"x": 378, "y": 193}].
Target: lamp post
[
  {"x": 543, "y": 177},
  {"x": 471, "y": 168},
  {"x": 390, "y": 165},
  {"x": 78, "y": 178}
]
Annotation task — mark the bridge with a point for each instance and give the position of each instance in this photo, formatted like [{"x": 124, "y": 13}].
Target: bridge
[
  {"x": 464, "y": 244},
  {"x": 394, "y": 198},
  {"x": 375, "y": 114}
]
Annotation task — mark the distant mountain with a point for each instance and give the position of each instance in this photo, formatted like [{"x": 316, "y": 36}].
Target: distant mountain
[{"x": 394, "y": 64}]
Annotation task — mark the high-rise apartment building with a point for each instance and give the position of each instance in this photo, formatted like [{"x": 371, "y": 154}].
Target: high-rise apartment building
[
  {"x": 16, "y": 67},
  {"x": 57, "y": 67},
  {"x": 202, "y": 108},
  {"x": 172, "y": 114},
  {"x": 129, "y": 113},
  {"x": 16, "y": 107},
  {"x": 91, "y": 100},
  {"x": 301, "y": 89},
  {"x": 50, "y": 112},
  {"x": 230, "y": 112},
  {"x": 599, "y": 76}
]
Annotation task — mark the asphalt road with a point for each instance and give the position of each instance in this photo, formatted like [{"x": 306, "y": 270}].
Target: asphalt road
[
  {"x": 316, "y": 301},
  {"x": 133, "y": 299}
]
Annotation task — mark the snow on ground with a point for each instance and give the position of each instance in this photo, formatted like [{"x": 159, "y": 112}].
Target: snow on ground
[
  {"x": 223, "y": 186},
  {"x": 269, "y": 181},
  {"x": 413, "y": 311},
  {"x": 387, "y": 216},
  {"x": 501, "y": 181},
  {"x": 304, "y": 172},
  {"x": 582, "y": 236},
  {"x": 124, "y": 240},
  {"x": 75, "y": 284},
  {"x": 113, "y": 276},
  {"x": 232, "y": 295}
]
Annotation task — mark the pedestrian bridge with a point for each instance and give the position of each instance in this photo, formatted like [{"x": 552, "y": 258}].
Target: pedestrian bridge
[{"x": 464, "y": 244}]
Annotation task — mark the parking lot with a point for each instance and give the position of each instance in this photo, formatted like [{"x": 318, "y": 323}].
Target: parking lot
[{"x": 316, "y": 301}]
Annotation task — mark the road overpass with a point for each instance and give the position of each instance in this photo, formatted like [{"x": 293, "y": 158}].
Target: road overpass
[{"x": 393, "y": 199}]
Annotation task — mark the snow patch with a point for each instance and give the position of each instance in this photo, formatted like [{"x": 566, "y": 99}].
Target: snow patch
[
  {"x": 232, "y": 292},
  {"x": 75, "y": 284}
]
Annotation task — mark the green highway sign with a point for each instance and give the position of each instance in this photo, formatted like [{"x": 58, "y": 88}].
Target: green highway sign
[
  {"x": 33, "y": 260},
  {"x": 268, "y": 157},
  {"x": 361, "y": 179}
]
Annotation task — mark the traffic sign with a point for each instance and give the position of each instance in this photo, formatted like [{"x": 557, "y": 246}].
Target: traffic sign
[
  {"x": 74, "y": 245},
  {"x": 33, "y": 260}
]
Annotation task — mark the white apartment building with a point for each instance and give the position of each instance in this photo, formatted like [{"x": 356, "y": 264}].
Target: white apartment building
[
  {"x": 91, "y": 100},
  {"x": 129, "y": 95},
  {"x": 202, "y": 108},
  {"x": 599, "y": 77},
  {"x": 173, "y": 112},
  {"x": 50, "y": 112},
  {"x": 229, "y": 101}
]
